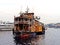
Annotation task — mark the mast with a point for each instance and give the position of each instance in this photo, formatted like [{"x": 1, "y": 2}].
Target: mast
[{"x": 27, "y": 10}]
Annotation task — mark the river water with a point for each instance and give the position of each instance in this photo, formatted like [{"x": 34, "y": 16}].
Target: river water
[{"x": 51, "y": 37}]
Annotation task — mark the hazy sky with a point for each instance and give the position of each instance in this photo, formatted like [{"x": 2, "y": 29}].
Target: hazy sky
[{"x": 48, "y": 10}]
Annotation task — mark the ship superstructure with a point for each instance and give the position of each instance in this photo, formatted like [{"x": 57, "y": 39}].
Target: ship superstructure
[{"x": 26, "y": 24}]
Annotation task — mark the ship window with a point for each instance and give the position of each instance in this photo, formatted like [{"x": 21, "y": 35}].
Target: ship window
[
  {"x": 30, "y": 20},
  {"x": 19, "y": 19},
  {"x": 21, "y": 26},
  {"x": 16, "y": 19},
  {"x": 16, "y": 24},
  {"x": 26, "y": 19}
]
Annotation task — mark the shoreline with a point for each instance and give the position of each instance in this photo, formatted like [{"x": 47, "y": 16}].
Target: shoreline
[{"x": 5, "y": 30}]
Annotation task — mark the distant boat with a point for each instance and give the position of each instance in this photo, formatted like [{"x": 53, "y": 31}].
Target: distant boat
[{"x": 6, "y": 26}]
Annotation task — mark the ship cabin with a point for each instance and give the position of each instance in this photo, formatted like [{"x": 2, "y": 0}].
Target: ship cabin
[{"x": 23, "y": 22}]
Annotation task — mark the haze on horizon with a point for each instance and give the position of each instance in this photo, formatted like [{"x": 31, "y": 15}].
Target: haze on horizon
[{"x": 47, "y": 10}]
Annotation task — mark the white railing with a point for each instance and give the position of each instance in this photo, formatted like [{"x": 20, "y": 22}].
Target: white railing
[{"x": 22, "y": 22}]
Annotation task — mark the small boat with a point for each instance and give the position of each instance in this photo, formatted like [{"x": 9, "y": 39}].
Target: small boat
[{"x": 6, "y": 26}]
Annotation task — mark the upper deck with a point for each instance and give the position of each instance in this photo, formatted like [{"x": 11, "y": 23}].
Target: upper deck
[{"x": 24, "y": 18}]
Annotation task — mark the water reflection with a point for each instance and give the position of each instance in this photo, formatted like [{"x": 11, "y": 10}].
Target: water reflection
[
  {"x": 31, "y": 41},
  {"x": 51, "y": 37}
]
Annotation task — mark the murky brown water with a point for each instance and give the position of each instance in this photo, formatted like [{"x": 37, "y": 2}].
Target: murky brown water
[{"x": 51, "y": 37}]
